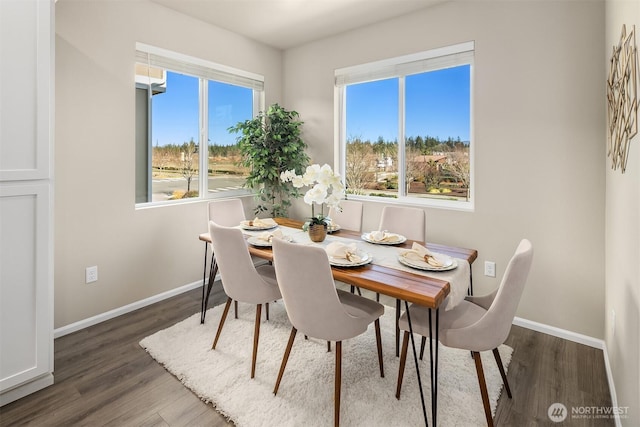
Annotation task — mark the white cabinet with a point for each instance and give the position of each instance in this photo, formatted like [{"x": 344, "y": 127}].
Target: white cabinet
[{"x": 26, "y": 191}]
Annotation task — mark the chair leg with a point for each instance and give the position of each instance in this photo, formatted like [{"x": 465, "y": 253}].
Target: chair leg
[
  {"x": 285, "y": 358},
  {"x": 423, "y": 342},
  {"x": 266, "y": 306},
  {"x": 235, "y": 308},
  {"x": 377, "y": 297},
  {"x": 336, "y": 416},
  {"x": 204, "y": 284},
  {"x": 354, "y": 289},
  {"x": 256, "y": 337},
  {"x": 403, "y": 361},
  {"x": 496, "y": 355},
  {"x": 483, "y": 388},
  {"x": 224, "y": 316},
  {"x": 212, "y": 275},
  {"x": 328, "y": 346},
  {"x": 397, "y": 327},
  {"x": 379, "y": 343}
]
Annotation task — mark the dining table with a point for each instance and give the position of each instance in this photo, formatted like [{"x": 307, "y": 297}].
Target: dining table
[{"x": 384, "y": 274}]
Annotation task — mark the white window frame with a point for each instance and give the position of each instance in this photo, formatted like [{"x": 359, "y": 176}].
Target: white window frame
[
  {"x": 203, "y": 70},
  {"x": 400, "y": 67}
]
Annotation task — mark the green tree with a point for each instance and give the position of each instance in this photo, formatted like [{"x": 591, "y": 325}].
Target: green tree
[
  {"x": 360, "y": 162},
  {"x": 270, "y": 144}
]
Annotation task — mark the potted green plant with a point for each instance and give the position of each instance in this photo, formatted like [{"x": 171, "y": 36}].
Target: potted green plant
[{"x": 270, "y": 144}]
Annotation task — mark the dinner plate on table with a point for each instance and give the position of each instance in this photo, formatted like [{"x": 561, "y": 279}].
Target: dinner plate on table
[
  {"x": 245, "y": 226},
  {"x": 256, "y": 241},
  {"x": 365, "y": 258},
  {"x": 449, "y": 263},
  {"x": 400, "y": 239},
  {"x": 333, "y": 228}
]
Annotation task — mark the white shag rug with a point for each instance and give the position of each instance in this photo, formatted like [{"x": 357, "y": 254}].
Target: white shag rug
[{"x": 305, "y": 397}]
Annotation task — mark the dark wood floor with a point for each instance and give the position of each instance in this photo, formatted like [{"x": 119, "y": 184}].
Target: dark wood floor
[{"x": 104, "y": 378}]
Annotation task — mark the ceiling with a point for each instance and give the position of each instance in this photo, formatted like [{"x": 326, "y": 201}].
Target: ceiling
[{"x": 284, "y": 24}]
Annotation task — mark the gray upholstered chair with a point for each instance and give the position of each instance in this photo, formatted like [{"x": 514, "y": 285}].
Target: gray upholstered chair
[
  {"x": 227, "y": 213},
  {"x": 411, "y": 223},
  {"x": 242, "y": 281},
  {"x": 319, "y": 310},
  {"x": 477, "y": 323},
  {"x": 349, "y": 217}
]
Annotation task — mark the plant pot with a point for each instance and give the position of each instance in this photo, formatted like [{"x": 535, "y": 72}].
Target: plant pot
[{"x": 317, "y": 232}]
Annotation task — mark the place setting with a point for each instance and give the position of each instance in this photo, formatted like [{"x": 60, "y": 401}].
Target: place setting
[
  {"x": 422, "y": 258},
  {"x": 258, "y": 224},
  {"x": 332, "y": 227},
  {"x": 347, "y": 255},
  {"x": 383, "y": 237},
  {"x": 265, "y": 239}
]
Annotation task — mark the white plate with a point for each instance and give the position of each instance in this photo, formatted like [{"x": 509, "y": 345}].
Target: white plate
[
  {"x": 342, "y": 262},
  {"x": 450, "y": 263},
  {"x": 255, "y": 241},
  {"x": 332, "y": 228},
  {"x": 367, "y": 238},
  {"x": 245, "y": 226}
]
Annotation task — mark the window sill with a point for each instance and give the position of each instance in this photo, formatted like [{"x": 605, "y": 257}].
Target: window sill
[{"x": 417, "y": 202}]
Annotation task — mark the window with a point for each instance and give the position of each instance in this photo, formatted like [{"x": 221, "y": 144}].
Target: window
[
  {"x": 184, "y": 107},
  {"x": 405, "y": 128}
]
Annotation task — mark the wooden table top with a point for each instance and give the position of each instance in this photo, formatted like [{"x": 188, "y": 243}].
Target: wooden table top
[{"x": 415, "y": 288}]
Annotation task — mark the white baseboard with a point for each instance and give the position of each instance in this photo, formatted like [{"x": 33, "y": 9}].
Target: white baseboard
[
  {"x": 73, "y": 327},
  {"x": 560, "y": 333},
  {"x": 612, "y": 386}
]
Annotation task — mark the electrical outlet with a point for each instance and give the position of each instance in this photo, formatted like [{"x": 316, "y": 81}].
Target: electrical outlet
[
  {"x": 490, "y": 268},
  {"x": 91, "y": 274}
]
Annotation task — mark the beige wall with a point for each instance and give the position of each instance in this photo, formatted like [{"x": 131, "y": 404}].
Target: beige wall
[
  {"x": 623, "y": 244},
  {"x": 139, "y": 253},
  {"x": 539, "y": 122}
]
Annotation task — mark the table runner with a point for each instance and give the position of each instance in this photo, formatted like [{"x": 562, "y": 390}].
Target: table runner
[{"x": 387, "y": 256}]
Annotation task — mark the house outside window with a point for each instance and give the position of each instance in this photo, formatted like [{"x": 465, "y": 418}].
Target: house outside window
[
  {"x": 405, "y": 128},
  {"x": 184, "y": 106}
]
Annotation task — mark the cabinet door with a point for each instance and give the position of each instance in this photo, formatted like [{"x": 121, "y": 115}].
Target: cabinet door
[
  {"x": 26, "y": 85},
  {"x": 26, "y": 333},
  {"x": 26, "y": 188}
]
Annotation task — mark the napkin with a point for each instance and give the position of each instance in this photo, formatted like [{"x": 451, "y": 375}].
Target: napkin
[
  {"x": 260, "y": 222},
  {"x": 383, "y": 236},
  {"x": 420, "y": 253},
  {"x": 268, "y": 236},
  {"x": 345, "y": 251}
]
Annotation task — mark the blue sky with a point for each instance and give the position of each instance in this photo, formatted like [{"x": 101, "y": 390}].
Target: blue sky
[
  {"x": 437, "y": 104},
  {"x": 175, "y": 112}
]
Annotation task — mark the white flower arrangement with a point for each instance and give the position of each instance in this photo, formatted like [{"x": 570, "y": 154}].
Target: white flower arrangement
[{"x": 326, "y": 188}]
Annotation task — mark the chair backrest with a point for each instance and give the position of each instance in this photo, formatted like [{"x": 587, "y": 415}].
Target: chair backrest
[
  {"x": 410, "y": 222},
  {"x": 350, "y": 217},
  {"x": 239, "y": 277},
  {"x": 493, "y": 328},
  {"x": 226, "y": 212},
  {"x": 309, "y": 293}
]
